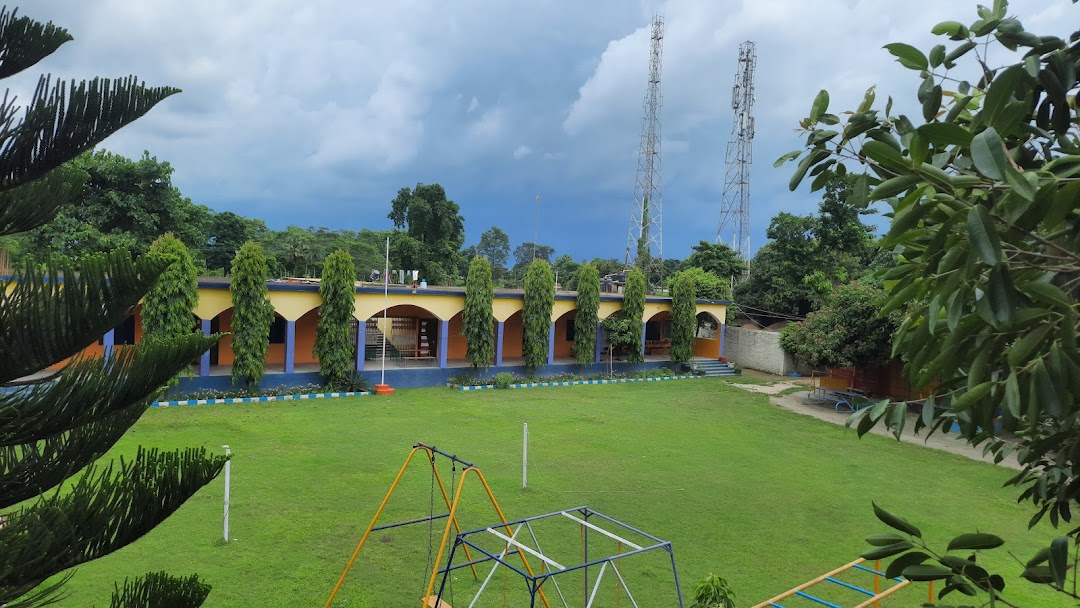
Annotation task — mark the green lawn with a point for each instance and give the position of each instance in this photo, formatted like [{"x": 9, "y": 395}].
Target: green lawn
[{"x": 761, "y": 496}]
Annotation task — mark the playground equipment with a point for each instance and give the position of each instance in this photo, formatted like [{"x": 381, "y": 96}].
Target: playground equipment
[
  {"x": 875, "y": 596},
  {"x": 500, "y": 541}
]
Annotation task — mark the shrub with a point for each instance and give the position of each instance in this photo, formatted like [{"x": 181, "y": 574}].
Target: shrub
[
  {"x": 713, "y": 592},
  {"x": 252, "y": 315},
  {"x": 683, "y": 318},
  {"x": 536, "y": 315},
  {"x": 503, "y": 380},
  {"x": 477, "y": 318},
  {"x": 588, "y": 307},
  {"x": 333, "y": 347},
  {"x": 633, "y": 309}
]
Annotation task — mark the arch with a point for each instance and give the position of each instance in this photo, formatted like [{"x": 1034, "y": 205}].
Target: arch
[
  {"x": 292, "y": 305},
  {"x": 717, "y": 311},
  {"x": 456, "y": 347},
  {"x": 503, "y": 308},
  {"x": 564, "y": 334},
  {"x": 708, "y": 336},
  {"x": 608, "y": 308},
  {"x": 513, "y": 335},
  {"x": 441, "y": 307},
  {"x": 222, "y": 352},
  {"x": 212, "y": 302},
  {"x": 304, "y": 342}
]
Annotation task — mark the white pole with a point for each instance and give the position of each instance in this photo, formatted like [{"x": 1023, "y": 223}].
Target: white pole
[
  {"x": 525, "y": 457},
  {"x": 228, "y": 467},
  {"x": 386, "y": 303}
]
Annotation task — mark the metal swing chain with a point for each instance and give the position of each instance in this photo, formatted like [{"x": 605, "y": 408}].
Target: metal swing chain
[
  {"x": 453, "y": 476},
  {"x": 431, "y": 522}
]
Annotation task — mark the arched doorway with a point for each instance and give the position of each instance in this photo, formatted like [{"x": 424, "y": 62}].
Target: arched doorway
[{"x": 708, "y": 337}]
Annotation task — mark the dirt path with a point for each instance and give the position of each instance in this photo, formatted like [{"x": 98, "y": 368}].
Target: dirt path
[{"x": 796, "y": 402}]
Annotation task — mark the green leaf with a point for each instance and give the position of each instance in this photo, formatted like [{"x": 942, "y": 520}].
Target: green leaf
[
  {"x": 975, "y": 542},
  {"x": 1048, "y": 396},
  {"x": 893, "y": 186},
  {"x": 1012, "y": 394},
  {"x": 888, "y": 550},
  {"x": 886, "y": 156},
  {"x": 868, "y": 99},
  {"x": 785, "y": 158},
  {"x": 983, "y": 235},
  {"x": 945, "y": 134},
  {"x": 959, "y": 52},
  {"x": 1020, "y": 352},
  {"x": 895, "y": 522},
  {"x": 896, "y": 567},
  {"x": 928, "y": 411},
  {"x": 969, "y": 398},
  {"x": 937, "y": 55},
  {"x": 926, "y": 572},
  {"x": 1041, "y": 575},
  {"x": 932, "y": 105},
  {"x": 820, "y": 105},
  {"x": 1039, "y": 558},
  {"x": 882, "y": 540},
  {"x": 1059, "y": 559},
  {"x": 908, "y": 56},
  {"x": 948, "y": 28},
  {"x": 1046, "y": 292},
  {"x": 988, "y": 154},
  {"x": 804, "y": 165},
  {"x": 999, "y": 290}
]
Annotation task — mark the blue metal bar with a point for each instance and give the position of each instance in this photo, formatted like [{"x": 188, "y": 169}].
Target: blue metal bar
[
  {"x": 850, "y": 586},
  {"x": 436, "y": 450},
  {"x": 597, "y": 562},
  {"x": 631, "y": 528},
  {"x": 871, "y": 570},
  {"x": 475, "y": 561},
  {"x": 816, "y": 599},
  {"x": 501, "y": 561},
  {"x": 777, "y": 605},
  {"x": 411, "y": 521},
  {"x": 521, "y": 521},
  {"x": 678, "y": 589}
]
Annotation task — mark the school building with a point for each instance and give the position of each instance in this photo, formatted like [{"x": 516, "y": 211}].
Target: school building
[{"x": 421, "y": 332}]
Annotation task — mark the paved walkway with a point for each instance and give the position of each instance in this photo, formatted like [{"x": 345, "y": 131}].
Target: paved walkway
[{"x": 796, "y": 402}]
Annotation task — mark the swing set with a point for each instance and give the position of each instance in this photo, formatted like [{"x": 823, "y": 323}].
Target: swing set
[{"x": 503, "y": 540}]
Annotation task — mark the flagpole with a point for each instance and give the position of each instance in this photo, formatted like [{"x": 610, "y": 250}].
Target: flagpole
[{"x": 386, "y": 305}]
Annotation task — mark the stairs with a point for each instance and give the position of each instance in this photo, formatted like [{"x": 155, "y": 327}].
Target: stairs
[
  {"x": 373, "y": 343},
  {"x": 713, "y": 368}
]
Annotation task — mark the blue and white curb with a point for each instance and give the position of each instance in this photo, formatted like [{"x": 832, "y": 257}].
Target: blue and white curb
[
  {"x": 577, "y": 382},
  {"x": 257, "y": 399}
]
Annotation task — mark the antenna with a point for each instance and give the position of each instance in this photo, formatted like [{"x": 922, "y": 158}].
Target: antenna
[
  {"x": 735, "y": 206},
  {"x": 644, "y": 244}
]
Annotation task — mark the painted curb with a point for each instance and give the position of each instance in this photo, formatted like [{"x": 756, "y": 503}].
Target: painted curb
[
  {"x": 577, "y": 382},
  {"x": 256, "y": 399}
]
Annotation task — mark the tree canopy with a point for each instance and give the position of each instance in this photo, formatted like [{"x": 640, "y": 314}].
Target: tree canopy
[
  {"x": 333, "y": 347},
  {"x": 434, "y": 230},
  {"x": 252, "y": 315},
  {"x": 846, "y": 332},
  {"x": 477, "y": 318},
  {"x": 717, "y": 258},
  {"x": 588, "y": 308},
  {"x": 986, "y": 233},
  {"x": 536, "y": 313},
  {"x": 683, "y": 318},
  {"x": 495, "y": 246},
  {"x": 168, "y": 310}
]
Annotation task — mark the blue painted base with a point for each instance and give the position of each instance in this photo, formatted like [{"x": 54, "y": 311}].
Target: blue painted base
[{"x": 412, "y": 378}]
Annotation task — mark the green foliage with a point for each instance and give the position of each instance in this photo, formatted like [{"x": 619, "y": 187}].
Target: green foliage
[
  {"x": 56, "y": 425},
  {"x": 987, "y": 236},
  {"x": 226, "y": 233},
  {"x": 477, "y": 319},
  {"x": 717, "y": 258},
  {"x": 525, "y": 253},
  {"x": 633, "y": 307},
  {"x": 503, "y": 380},
  {"x": 588, "y": 310},
  {"x": 713, "y": 592},
  {"x": 252, "y": 315},
  {"x": 333, "y": 348},
  {"x": 683, "y": 318},
  {"x": 707, "y": 285},
  {"x": 622, "y": 335},
  {"x": 846, "y": 332},
  {"x": 566, "y": 271},
  {"x": 536, "y": 313},
  {"x": 168, "y": 310},
  {"x": 434, "y": 228},
  {"x": 495, "y": 246},
  {"x": 958, "y": 566},
  {"x": 124, "y": 204},
  {"x": 160, "y": 589}
]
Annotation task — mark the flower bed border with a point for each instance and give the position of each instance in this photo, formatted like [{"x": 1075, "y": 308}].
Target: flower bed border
[
  {"x": 577, "y": 382},
  {"x": 263, "y": 399}
]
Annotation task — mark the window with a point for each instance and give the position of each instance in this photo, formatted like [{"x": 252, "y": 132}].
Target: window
[
  {"x": 706, "y": 328},
  {"x": 278, "y": 329},
  {"x": 124, "y": 333}
]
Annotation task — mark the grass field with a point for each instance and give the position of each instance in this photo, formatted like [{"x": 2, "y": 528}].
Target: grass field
[{"x": 759, "y": 495}]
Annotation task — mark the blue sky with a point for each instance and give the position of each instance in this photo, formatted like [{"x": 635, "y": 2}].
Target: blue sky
[{"x": 315, "y": 113}]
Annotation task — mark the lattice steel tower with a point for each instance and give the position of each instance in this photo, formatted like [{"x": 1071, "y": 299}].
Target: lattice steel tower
[
  {"x": 644, "y": 244},
  {"x": 735, "y": 208}
]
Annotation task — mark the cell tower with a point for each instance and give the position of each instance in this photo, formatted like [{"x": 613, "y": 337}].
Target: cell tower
[
  {"x": 735, "y": 208},
  {"x": 644, "y": 244}
]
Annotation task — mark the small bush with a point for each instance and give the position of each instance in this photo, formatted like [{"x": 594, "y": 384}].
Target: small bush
[
  {"x": 713, "y": 592},
  {"x": 503, "y": 380}
]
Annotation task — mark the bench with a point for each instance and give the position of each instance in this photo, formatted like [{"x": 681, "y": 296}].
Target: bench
[
  {"x": 657, "y": 345},
  {"x": 837, "y": 391}
]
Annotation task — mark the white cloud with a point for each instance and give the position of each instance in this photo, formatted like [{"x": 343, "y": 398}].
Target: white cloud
[{"x": 522, "y": 151}]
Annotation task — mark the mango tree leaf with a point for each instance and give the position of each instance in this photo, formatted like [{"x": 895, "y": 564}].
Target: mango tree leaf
[
  {"x": 932, "y": 104},
  {"x": 1012, "y": 394},
  {"x": 948, "y": 28},
  {"x": 804, "y": 165},
  {"x": 1019, "y": 183},
  {"x": 926, "y": 572},
  {"x": 893, "y": 186},
  {"x": 975, "y": 542},
  {"x": 959, "y": 52},
  {"x": 1021, "y": 350},
  {"x": 882, "y": 540},
  {"x": 969, "y": 398},
  {"x": 945, "y": 134},
  {"x": 1059, "y": 559},
  {"x": 820, "y": 105},
  {"x": 983, "y": 235},
  {"x": 999, "y": 96},
  {"x": 937, "y": 55},
  {"x": 988, "y": 154},
  {"x": 895, "y": 522},
  {"x": 999, "y": 290},
  {"x": 896, "y": 568},
  {"x": 785, "y": 158},
  {"x": 908, "y": 56},
  {"x": 888, "y": 550}
]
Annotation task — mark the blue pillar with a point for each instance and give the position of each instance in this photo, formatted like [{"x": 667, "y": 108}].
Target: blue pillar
[
  {"x": 361, "y": 344},
  {"x": 721, "y": 340},
  {"x": 107, "y": 342},
  {"x": 444, "y": 337},
  {"x": 643, "y": 339},
  {"x": 204, "y": 360},
  {"x": 551, "y": 343},
  {"x": 599, "y": 350},
  {"x": 499, "y": 331},
  {"x": 290, "y": 346}
]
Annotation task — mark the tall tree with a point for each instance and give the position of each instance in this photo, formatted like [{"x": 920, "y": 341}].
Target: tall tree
[
  {"x": 986, "y": 232},
  {"x": 588, "y": 310},
  {"x": 495, "y": 246},
  {"x": 683, "y": 318},
  {"x": 633, "y": 308},
  {"x": 566, "y": 271},
  {"x": 228, "y": 232},
  {"x": 57, "y": 425},
  {"x": 125, "y": 204},
  {"x": 168, "y": 310},
  {"x": 536, "y": 313},
  {"x": 337, "y": 289},
  {"x": 525, "y": 253},
  {"x": 846, "y": 332},
  {"x": 433, "y": 221},
  {"x": 252, "y": 315},
  {"x": 717, "y": 258},
  {"x": 477, "y": 318}
]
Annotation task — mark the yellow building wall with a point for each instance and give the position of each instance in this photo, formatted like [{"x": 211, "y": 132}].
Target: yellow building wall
[
  {"x": 275, "y": 356},
  {"x": 608, "y": 308},
  {"x": 439, "y": 306},
  {"x": 213, "y": 302},
  {"x": 718, "y": 311},
  {"x": 294, "y": 304},
  {"x": 503, "y": 308}
]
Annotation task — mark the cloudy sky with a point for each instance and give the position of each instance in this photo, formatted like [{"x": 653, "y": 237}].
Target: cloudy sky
[{"x": 315, "y": 113}]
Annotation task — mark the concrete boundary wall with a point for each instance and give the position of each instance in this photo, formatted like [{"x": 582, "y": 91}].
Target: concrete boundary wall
[{"x": 759, "y": 350}]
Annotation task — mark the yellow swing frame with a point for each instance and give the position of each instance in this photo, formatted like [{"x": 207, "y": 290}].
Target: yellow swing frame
[{"x": 451, "y": 522}]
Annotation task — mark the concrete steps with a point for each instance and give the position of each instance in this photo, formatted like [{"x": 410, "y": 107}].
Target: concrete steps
[{"x": 713, "y": 368}]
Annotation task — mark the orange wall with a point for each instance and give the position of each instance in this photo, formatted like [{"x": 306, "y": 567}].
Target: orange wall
[
  {"x": 704, "y": 347},
  {"x": 305, "y": 338},
  {"x": 275, "y": 357},
  {"x": 456, "y": 348},
  {"x": 564, "y": 347},
  {"x": 512, "y": 337}
]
